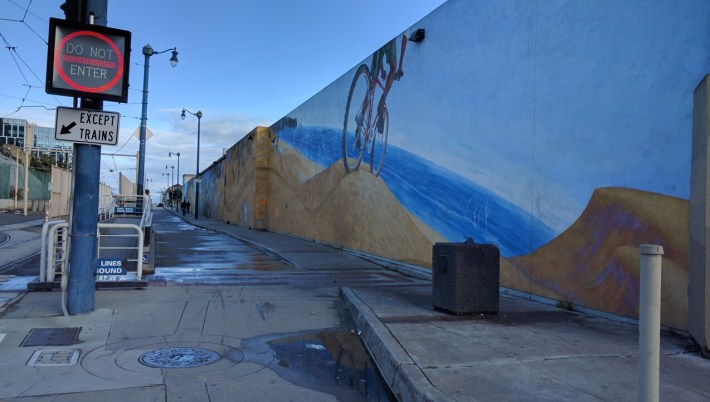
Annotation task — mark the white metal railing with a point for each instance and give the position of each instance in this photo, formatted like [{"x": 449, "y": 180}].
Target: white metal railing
[
  {"x": 54, "y": 257},
  {"x": 147, "y": 216},
  {"x": 138, "y": 246},
  {"x": 53, "y": 252},
  {"x": 107, "y": 206}
]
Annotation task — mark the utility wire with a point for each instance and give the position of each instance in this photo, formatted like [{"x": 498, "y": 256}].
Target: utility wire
[
  {"x": 124, "y": 144},
  {"x": 14, "y": 50},
  {"x": 16, "y": 56}
]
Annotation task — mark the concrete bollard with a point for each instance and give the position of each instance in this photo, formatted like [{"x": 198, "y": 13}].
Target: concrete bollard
[{"x": 649, "y": 322}]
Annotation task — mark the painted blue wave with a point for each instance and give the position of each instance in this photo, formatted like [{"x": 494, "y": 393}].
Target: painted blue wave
[{"x": 451, "y": 204}]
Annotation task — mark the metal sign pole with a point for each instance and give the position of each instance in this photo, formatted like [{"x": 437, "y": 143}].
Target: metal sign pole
[{"x": 81, "y": 287}]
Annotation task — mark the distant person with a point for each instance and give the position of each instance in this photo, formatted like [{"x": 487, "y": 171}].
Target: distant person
[
  {"x": 188, "y": 206},
  {"x": 183, "y": 206}
]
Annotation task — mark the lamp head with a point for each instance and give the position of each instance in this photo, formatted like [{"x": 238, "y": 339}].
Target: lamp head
[
  {"x": 182, "y": 116},
  {"x": 174, "y": 59},
  {"x": 418, "y": 35},
  {"x": 198, "y": 114}
]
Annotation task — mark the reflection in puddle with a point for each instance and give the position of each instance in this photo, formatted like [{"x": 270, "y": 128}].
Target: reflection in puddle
[{"x": 336, "y": 360}]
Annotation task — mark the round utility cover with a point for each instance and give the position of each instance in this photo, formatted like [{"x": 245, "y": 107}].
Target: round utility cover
[{"x": 179, "y": 357}]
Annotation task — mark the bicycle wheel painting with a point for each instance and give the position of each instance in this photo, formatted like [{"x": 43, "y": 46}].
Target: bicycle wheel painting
[{"x": 357, "y": 118}]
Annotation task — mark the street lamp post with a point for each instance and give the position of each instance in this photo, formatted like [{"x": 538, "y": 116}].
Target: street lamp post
[
  {"x": 178, "y": 173},
  {"x": 167, "y": 185},
  {"x": 147, "y": 52},
  {"x": 197, "y": 170},
  {"x": 172, "y": 180}
]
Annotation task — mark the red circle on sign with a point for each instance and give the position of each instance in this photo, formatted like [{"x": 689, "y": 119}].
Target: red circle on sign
[{"x": 65, "y": 77}]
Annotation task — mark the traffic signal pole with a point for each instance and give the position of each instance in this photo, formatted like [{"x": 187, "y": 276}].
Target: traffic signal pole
[{"x": 81, "y": 289}]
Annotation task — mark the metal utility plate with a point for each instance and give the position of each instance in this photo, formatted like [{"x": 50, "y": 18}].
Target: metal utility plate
[
  {"x": 51, "y": 337},
  {"x": 54, "y": 358}
]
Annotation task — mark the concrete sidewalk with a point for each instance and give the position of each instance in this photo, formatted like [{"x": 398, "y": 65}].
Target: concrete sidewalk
[{"x": 528, "y": 351}]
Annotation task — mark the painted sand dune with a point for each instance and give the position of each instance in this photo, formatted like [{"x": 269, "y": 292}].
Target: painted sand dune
[
  {"x": 338, "y": 208},
  {"x": 595, "y": 263}
]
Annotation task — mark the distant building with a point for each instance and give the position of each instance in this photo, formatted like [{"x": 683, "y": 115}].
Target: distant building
[
  {"x": 14, "y": 132},
  {"x": 45, "y": 143}
]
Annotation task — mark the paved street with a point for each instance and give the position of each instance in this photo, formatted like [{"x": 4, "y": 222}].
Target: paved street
[
  {"x": 189, "y": 254},
  {"x": 19, "y": 247}
]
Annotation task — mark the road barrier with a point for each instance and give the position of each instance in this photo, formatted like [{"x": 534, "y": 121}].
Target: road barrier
[{"x": 55, "y": 245}]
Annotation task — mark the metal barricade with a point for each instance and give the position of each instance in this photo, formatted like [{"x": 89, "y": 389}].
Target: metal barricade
[
  {"x": 55, "y": 245},
  {"x": 54, "y": 249},
  {"x": 138, "y": 246}
]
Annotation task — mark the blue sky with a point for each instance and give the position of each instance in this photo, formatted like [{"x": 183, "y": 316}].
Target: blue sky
[{"x": 242, "y": 63}]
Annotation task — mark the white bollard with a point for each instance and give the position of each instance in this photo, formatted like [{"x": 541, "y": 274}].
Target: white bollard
[{"x": 649, "y": 322}]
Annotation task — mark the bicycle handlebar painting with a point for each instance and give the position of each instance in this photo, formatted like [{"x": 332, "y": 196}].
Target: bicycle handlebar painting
[{"x": 366, "y": 122}]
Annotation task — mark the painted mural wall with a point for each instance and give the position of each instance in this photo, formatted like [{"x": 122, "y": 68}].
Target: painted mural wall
[
  {"x": 558, "y": 130},
  {"x": 235, "y": 188}
]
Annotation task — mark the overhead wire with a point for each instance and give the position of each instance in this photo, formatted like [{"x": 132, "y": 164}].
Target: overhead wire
[{"x": 12, "y": 50}]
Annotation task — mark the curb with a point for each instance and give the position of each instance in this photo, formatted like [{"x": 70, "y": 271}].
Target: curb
[
  {"x": 403, "y": 376},
  {"x": 11, "y": 300}
]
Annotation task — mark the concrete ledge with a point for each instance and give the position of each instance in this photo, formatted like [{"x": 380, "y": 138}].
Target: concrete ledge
[
  {"x": 401, "y": 373},
  {"x": 133, "y": 284}
]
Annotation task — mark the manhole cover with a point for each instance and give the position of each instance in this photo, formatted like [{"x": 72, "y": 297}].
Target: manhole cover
[{"x": 179, "y": 357}]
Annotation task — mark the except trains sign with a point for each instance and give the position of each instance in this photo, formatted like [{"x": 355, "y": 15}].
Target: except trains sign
[
  {"x": 88, "y": 61},
  {"x": 86, "y": 126}
]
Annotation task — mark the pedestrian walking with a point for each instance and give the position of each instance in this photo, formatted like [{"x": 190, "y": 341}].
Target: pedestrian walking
[{"x": 183, "y": 206}]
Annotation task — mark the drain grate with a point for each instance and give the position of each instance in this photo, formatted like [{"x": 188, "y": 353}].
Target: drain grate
[
  {"x": 54, "y": 358},
  {"x": 51, "y": 337},
  {"x": 179, "y": 357}
]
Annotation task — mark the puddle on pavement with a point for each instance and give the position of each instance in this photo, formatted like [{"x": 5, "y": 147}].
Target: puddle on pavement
[{"x": 333, "y": 362}]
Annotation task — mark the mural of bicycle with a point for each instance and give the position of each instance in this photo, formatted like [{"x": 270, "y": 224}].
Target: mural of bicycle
[{"x": 369, "y": 124}]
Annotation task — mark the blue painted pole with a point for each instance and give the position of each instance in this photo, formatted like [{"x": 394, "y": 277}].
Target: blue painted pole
[
  {"x": 81, "y": 290},
  {"x": 197, "y": 173},
  {"x": 81, "y": 287},
  {"x": 140, "y": 178}
]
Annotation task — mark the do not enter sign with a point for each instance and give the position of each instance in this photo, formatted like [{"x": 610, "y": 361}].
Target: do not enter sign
[{"x": 88, "y": 60}]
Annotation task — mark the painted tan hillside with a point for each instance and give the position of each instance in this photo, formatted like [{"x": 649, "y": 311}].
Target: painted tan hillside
[
  {"x": 595, "y": 263},
  {"x": 354, "y": 210}
]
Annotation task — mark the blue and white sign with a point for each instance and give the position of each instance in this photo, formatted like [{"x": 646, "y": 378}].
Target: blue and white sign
[
  {"x": 110, "y": 267},
  {"x": 126, "y": 210}
]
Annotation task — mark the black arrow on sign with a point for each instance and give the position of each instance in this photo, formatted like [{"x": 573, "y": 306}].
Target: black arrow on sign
[{"x": 67, "y": 129}]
